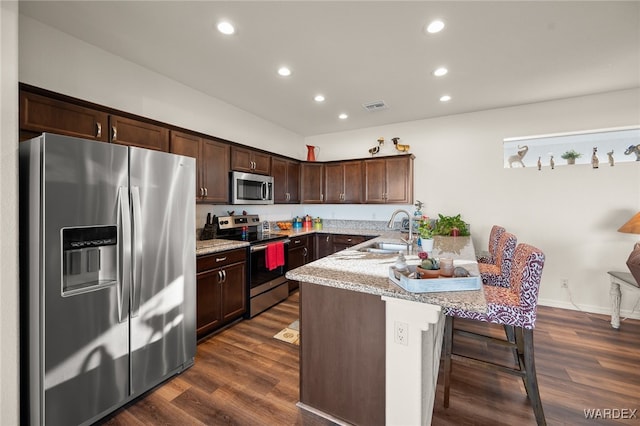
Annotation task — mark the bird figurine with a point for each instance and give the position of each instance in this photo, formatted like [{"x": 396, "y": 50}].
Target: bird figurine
[
  {"x": 539, "y": 163},
  {"x": 552, "y": 163},
  {"x": 376, "y": 149},
  {"x": 400, "y": 147},
  {"x": 595, "y": 162}
]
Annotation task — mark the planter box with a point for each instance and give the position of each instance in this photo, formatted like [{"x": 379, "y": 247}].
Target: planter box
[{"x": 432, "y": 285}]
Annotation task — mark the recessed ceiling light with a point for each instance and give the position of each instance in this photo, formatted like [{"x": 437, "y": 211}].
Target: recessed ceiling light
[
  {"x": 445, "y": 98},
  {"x": 319, "y": 98},
  {"x": 226, "y": 28},
  {"x": 435, "y": 27},
  {"x": 343, "y": 116},
  {"x": 440, "y": 72},
  {"x": 284, "y": 71}
]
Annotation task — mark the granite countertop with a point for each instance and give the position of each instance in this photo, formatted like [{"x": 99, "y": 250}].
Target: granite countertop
[
  {"x": 217, "y": 245},
  {"x": 369, "y": 272}
]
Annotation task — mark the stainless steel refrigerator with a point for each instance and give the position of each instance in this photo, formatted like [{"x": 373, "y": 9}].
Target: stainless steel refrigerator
[{"x": 107, "y": 253}]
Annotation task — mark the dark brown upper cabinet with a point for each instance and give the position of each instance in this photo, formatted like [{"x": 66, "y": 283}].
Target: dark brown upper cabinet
[
  {"x": 312, "y": 183},
  {"x": 40, "y": 114},
  {"x": 212, "y": 163},
  {"x": 286, "y": 180},
  {"x": 343, "y": 182},
  {"x": 126, "y": 131},
  {"x": 389, "y": 180},
  {"x": 250, "y": 161}
]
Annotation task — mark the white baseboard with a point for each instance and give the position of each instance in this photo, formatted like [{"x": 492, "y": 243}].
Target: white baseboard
[{"x": 624, "y": 313}]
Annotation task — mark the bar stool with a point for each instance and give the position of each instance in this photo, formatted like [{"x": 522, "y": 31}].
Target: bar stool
[
  {"x": 499, "y": 273},
  {"x": 494, "y": 237},
  {"x": 515, "y": 308}
]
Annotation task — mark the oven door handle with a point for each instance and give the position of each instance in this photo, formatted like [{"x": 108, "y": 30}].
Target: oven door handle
[{"x": 262, "y": 247}]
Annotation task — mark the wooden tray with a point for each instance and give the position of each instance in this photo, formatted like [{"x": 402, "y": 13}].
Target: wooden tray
[{"x": 432, "y": 285}]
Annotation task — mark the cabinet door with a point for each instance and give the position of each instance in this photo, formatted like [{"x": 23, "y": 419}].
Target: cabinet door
[
  {"x": 375, "y": 181},
  {"x": 333, "y": 183},
  {"x": 234, "y": 296},
  {"x": 353, "y": 176},
  {"x": 293, "y": 181},
  {"x": 241, "y": 160},
  {"x": 40, "y": 114},
  {"x": 261, "y": 163},
  {"x": 189, "y": 145},
  {"x": 208, "y": 307},
  {"x": 125, "y": 131},
  {"x": 311, "y": 181},
  {"x": 324, "y": 245},
  {"x": 214, "y": 160},
  {"x": 298, "y": 255},
  {"x": 399, "y": 180},
  {"x": 250, "y": 161},
  {"x": 280, "y": 181}
]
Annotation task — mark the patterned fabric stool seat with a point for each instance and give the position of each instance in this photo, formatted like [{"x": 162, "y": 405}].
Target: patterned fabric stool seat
[
  {"x": 494, "y": 237},
  {"x": 499, "y": 273},
  {"x": 515, "y": 308}
]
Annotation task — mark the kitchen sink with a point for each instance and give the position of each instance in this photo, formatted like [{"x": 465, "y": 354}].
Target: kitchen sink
[{"x": 385, "y": 247}]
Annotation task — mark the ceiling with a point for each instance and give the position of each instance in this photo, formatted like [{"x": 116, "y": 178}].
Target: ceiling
[{"x": 498, "y": 54}]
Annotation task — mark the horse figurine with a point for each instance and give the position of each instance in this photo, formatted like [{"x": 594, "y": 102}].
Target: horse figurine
[
  {"x": 517, "y": 158},
  {"x": 610, "y": 155},
  {"x": 633, "y": 149}
]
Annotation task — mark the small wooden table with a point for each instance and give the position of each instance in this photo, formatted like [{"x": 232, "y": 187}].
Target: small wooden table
[{"x": 617, "y": 278}]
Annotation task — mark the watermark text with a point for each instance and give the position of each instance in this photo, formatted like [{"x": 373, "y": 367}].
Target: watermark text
[{"x": 611, "y": 413}]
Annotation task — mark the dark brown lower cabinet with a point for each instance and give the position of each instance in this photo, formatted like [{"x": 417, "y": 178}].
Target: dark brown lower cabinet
[
  {"x": 342, "y": 353},
  {"x": 221, "y": 289},
  {"x": 341, "y": 242},
  {"x": 300, "y": 253}
]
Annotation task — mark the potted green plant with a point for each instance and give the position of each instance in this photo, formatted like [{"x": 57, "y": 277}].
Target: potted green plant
[
  {"x": 425, "y": 231},
  {"x": 450, "y": 225},
  {"x": 571, "y": 156}
]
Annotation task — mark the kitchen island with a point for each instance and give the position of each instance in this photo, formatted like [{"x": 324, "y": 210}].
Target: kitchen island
[{"x": 369, "y": 350}]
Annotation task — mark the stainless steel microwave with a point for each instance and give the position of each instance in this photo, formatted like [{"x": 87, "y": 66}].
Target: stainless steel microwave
[{"x": 249, "y": 188}]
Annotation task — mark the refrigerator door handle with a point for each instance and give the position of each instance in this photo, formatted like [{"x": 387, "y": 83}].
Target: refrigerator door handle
[
  {"x": 136, "y": 287},
  {"x": 124, "y": 270}
]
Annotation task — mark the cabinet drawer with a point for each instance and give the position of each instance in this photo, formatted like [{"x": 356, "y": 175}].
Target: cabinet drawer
[
  {"x": 348, "y": 239},
  {"x": 298, "y": 242},
  {"x": 223, "y": 258}
]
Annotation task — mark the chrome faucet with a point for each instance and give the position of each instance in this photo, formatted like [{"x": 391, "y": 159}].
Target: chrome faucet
[{"x": 409, "y": 240}]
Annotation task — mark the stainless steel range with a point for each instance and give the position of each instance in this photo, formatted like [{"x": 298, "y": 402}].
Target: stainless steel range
[{"x": 267, "y": 283}]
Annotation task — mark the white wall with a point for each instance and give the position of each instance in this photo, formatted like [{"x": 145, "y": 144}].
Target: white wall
[
  {"x": 56, "y": 61},
  {"x": 9, "y": 213},
  {"x": 571, "y": 213}
]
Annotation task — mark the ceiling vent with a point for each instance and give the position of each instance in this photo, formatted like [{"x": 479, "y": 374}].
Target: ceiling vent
[{"x": 375, "y": 106}]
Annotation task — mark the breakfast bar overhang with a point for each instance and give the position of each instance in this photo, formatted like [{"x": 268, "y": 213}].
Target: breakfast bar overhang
[{"x": 355, "y": 366}]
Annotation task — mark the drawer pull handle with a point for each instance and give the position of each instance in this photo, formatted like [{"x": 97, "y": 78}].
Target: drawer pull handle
[
  {"x": 221, "y": 259},
  {"x": 98, "y": 130}
]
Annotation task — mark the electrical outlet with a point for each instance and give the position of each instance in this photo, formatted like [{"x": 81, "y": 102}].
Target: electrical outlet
[
  {"x": 401, "y": 333},
  {"x": 564, "y": 283}
]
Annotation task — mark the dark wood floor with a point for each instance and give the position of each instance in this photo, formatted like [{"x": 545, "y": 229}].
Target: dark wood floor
[{"x": 243, "y": 376}]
